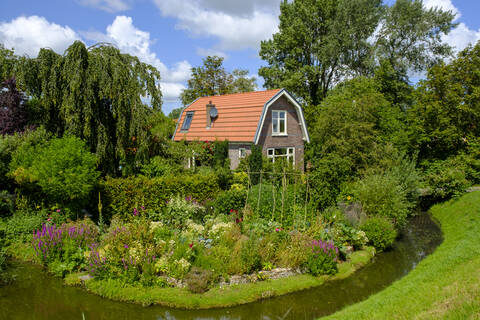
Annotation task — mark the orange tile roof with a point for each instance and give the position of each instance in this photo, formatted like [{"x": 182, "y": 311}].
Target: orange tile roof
[{"x": 237, "y": 120}]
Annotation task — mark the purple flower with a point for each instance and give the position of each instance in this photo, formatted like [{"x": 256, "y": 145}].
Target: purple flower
[
  {"x": 125, "y": 246},
  {"x": 135, "y": 211}
]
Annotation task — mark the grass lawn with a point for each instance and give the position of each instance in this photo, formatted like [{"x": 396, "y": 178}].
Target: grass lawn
[{"x": 446, "y": 285}]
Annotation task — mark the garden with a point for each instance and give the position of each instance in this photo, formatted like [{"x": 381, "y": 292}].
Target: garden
[{"x": 93, "y": 189}]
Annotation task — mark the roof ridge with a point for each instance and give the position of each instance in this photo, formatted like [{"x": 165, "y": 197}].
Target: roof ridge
[{"x": 231, "y": 94}]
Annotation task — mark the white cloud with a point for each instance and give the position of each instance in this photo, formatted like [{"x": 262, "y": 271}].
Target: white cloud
[
  {"x": 107, "y": 5},
  {"x": 460, "y": 37},
  {"x": 211, "y": 52},
  {"x": 171, "y": 91},
  {"x": 445, "y": 5},
  {"x": 27, "y": 35},
  {"x": 236, "y": 26},
  {"x": 130, "y": 39}
]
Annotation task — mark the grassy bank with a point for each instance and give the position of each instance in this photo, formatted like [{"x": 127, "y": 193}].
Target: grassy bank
[
  {"x": 219, "y": 297},
  {"x": 446, "y": 285}
]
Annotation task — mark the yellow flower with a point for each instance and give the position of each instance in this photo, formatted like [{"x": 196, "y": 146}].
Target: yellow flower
[{"x": 349, "y": 198}]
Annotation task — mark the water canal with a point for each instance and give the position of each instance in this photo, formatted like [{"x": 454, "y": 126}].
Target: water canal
[{"x": 36, "y": 295}]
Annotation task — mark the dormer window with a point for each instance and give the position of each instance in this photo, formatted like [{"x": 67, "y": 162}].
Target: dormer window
[
  {"x": 187, "y": 121},
  {"x": 279, "y": 122}
]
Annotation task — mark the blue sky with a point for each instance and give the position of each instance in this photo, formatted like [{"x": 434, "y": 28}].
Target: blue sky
[{"x": 173, "y": 35}]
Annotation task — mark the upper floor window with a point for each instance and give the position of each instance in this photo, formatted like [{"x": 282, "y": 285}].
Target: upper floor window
[
  {"x": 187, "y": 121},
  {"x": 279, "y": 122}
]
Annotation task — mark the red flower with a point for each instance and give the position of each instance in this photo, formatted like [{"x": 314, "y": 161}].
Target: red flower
[{"x": 191, "y": 245}]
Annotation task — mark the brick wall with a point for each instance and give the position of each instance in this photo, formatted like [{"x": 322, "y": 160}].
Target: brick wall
[{"x": 294, "y": 137}]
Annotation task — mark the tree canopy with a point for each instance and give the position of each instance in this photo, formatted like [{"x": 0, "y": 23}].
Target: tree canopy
[
  {"x": 13, "y": 114},
  {"x": 97, "y": 94},
  {"x": 323, "y": 42},
  {"x": 212, "y": 79},
  {"x": 446, "y": 116}
]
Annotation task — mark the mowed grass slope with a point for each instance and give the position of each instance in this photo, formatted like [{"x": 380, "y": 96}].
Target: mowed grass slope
[{"x": 446, "y": 285}]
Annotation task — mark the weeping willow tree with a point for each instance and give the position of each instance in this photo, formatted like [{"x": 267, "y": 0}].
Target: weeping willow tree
[{"x": 98, "y": 94}]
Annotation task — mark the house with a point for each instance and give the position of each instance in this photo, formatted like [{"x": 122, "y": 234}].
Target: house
[{"x": 272, "y": 119}]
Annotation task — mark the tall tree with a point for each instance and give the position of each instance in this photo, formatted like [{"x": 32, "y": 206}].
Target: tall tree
[
  {"x": 95, "y": 94},
  {"x": 446, "y": 117},
  {"x": 322, "y": 42},
  {"x": 212, "y": 79},
  {"x": 410, "y": 36},
  {"x": 7, "y": 63},
  {"x": 13, "y": 114},
  {"x": 319, "y": 42}
]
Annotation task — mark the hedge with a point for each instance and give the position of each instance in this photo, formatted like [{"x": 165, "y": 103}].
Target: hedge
[{"x": 122, "y": 195}]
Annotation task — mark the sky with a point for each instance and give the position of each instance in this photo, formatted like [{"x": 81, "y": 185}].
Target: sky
[{"x": 174, "y": 35}]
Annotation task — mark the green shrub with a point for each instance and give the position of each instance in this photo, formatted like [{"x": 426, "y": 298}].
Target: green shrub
[
  {"x": 382, "y": 195},
  {"x": 322, "y": 258},
  {"x": 224, "y": 177},
  {"x": 159, "y": 166},
  {"x": 220, "y": 153},
  {"x": 63, "y": 168},
  {"x": 380, "y": 232},
  {"x": 445, "y": 179},
  {"x": 294, "y": 252},
  {"x": 20, "y": 226},
  {"x": 255, "y": 164},
  {"x": 20, "y": 147},
  {"x": 122, "y": 195},
  {"x": 179, "y": 210},
  {"x": 7, "y": 204},
  {"x": 198, "y": 280},
  {"x": 230, "y": 200}
]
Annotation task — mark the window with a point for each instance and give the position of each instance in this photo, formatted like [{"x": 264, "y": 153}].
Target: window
[
  {"x": 282, "y": 153},
  {"x": 242, "y": 153},
  {"x": 187, "y": 121},
  {"x": 279, "y": 122}
]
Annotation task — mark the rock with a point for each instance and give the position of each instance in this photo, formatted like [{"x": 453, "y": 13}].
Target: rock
[{"x": 85, "y": 277}]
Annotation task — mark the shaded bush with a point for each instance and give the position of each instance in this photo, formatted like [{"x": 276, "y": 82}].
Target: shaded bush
[
  {"x": 7, "y": 204},
  {"x": 445, "y": 179},
  {"x": 198, "y": 280},
  {"x": 382, "y": 195},
  {"x": 230, "y": 200},
  {"x": 380, "y": 232}
]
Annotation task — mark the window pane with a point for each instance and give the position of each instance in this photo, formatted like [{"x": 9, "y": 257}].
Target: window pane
[
  {"x": 282, "y": 125},
  {"x": 280, "y": 151},
  {"x": 187, "y": 121},
  {"x": 282, "y": 115},
  {"x": 290, "y": 150},
  {"x": 270, "y": 152},
  {"x": 275, "y": 126}
]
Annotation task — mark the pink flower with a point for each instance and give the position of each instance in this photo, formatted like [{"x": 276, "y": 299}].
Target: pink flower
[
  {"x": 278, "y": 229},
  {"x": 58, "y": 210}
]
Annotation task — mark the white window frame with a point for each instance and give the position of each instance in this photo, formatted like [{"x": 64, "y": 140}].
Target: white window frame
[
  {"x": 288, "y": 155},
  {"x": 242, "y": 153},
  {"x": 279, "y": 133}
]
